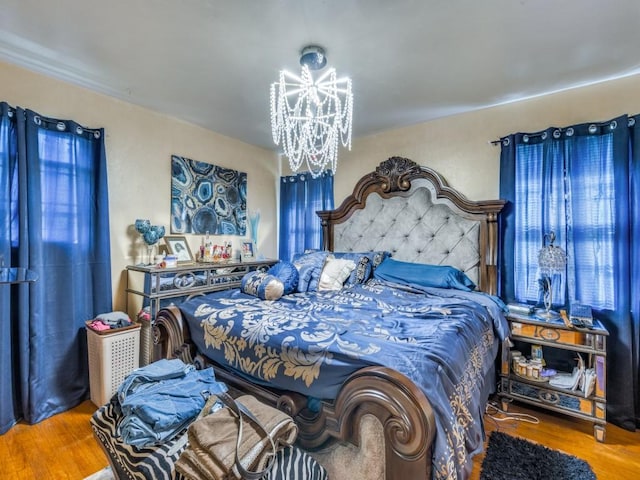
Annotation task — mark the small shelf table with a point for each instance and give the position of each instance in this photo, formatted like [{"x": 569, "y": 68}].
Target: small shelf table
[{"x": 528, "y": 330}]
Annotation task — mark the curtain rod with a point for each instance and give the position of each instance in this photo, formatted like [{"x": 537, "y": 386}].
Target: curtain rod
[{"x": 631, "y": 120}]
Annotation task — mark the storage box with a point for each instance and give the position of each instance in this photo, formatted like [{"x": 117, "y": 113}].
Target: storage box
[{"x": 113, "y": 354}]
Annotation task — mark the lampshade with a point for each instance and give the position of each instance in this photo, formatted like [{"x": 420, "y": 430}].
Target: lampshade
[
  {"x": 551, "y": 259},
  {"x": 311, "y": 117}
]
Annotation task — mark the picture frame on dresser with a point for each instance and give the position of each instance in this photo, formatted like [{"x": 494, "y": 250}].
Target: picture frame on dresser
[
  {"x": 177, "y": 245},
  {"x": 247, "y": 251}
]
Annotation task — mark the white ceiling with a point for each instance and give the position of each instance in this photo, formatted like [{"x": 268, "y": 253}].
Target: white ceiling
[{"x": 211, "y": 62}]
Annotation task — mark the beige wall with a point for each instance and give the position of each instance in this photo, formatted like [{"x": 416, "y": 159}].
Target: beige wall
[
  {"x": 140, "y": 142},
  {"x": 139, "y": 145},
  {"x": 458, "y": 147}
]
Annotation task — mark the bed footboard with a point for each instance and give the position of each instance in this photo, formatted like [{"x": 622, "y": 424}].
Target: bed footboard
[
  {"x": 401, "y": 408},
  {"x": 172, "y": 336}
]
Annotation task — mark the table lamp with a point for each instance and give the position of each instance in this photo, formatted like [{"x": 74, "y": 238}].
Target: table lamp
[{"x": 551, "y": 261}]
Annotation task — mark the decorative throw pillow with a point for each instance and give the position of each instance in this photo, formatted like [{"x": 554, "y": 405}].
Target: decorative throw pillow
[
  {"x": 309, "y": 267},
  {"x": 288, "y": 274},
  {"x": 335, "y": 272},
  {"x": 377, "y": 258},
  {"x": 362, "y": 272},
  {"x": 441, "y": 276},
  {"x": 366, "y": 263},
  {"x": 262, "y": 285}
]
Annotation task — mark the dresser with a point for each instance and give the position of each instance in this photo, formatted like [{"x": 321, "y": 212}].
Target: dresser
[
  {"x": 534, "y": 338},
  {"x": 153, "y": 287}
]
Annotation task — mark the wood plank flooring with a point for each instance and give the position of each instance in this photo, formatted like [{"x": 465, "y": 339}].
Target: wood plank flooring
[{"x": 63, "y": 446}]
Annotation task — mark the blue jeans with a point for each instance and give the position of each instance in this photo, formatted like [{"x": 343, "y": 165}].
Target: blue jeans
[
  {"x": 145, "y": 377},
  {"x": 162, "y": 399}
]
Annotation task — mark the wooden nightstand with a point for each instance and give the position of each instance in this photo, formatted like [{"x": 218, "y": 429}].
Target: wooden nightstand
[{"x": 528, "y": 331}]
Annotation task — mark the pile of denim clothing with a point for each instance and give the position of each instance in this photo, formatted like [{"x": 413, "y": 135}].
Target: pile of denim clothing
[
  {"x": 143, "y": 429},
  {"x": 161, "y": 399}
]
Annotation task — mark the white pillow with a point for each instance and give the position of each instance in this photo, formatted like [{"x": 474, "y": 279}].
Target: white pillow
[{"x": 335, "y": 272}]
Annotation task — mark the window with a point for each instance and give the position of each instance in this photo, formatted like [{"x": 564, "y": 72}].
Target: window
[{"x": 566, "y": 186}]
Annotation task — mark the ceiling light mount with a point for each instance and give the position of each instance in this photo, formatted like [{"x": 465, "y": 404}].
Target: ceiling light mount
[
  {"x": 313, "y": 57},
  {"x": 311, "y": 117}
]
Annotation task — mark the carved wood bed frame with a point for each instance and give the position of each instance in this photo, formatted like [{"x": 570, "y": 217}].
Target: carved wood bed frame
[{"x": 400, "y": 406}]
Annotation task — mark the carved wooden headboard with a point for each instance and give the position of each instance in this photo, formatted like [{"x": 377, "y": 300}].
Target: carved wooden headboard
[{"x": 410, "y": 211}]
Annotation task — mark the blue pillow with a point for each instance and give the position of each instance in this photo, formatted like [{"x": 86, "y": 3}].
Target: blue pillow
[
  {"x": 309, "y": 267},
  {"x": 419, "y": 274},
  {"x": 288, "y": 274},
  {"x": 262, "y": 285}
]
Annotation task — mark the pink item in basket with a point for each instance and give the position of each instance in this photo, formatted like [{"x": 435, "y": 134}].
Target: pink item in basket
[{"x": 99, "y": 326}]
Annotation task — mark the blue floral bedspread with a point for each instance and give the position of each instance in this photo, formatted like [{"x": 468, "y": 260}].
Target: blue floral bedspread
[{"x": 445, "y": 341}]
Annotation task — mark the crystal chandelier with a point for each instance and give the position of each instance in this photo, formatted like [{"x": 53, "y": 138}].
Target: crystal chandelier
[{"x": 310, "y": 117}]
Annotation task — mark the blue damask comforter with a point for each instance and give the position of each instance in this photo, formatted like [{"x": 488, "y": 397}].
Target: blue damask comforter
[{"x": 445, "y": 341}]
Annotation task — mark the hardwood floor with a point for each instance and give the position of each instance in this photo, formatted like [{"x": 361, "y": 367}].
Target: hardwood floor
[{"x": 63, "y": 446}]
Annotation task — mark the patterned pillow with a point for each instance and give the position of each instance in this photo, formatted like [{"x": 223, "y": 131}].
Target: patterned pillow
[
  {"x": 309, "y": 267},
  {"x": 377, "y": 258},
  {"x": 366, "y": 263},
  {"x": 262, "y": 285},
  {"x": 362, "y": 272},
  {"x": 288, "y": 274},
  {"x": 335, "y": 272}
]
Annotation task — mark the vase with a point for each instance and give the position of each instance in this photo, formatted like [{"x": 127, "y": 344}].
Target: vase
[
  {"x": 150, "y": 254},
  {"x": 254, "y": 223},
  {"x": 151, "y": 237}
]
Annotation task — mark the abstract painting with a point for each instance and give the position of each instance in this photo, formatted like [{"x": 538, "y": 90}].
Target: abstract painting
[{"x": 207, "y": 199}]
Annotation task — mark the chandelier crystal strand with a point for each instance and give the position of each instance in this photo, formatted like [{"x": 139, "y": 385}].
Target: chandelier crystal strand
[{"x": 310, "y": 118}]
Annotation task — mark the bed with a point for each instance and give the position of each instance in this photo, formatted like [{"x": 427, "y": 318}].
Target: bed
[{"x": 416, "y": 358}]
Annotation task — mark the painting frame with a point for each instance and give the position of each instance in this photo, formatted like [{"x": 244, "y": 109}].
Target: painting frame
[
  {"x": 177, "y": 245},
  {"x": 207, "y": 199}
]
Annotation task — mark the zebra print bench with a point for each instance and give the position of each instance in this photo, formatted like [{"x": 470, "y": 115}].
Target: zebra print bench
[{"x": 158, "y": 462}]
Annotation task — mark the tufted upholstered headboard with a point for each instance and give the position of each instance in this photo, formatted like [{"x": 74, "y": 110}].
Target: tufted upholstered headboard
[{"x": 410, "y": 211}]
